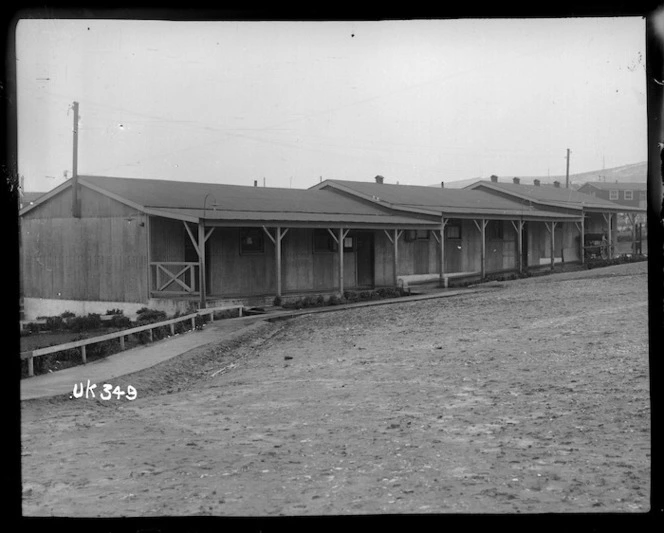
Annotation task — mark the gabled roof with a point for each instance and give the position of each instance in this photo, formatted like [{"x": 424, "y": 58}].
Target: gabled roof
[
  {"x": 552, "y": 196},
  {"x": 618, "y": 185},
  {"x": 219, "y": 202},
  {"x": 456, "y": 203},
  {"x": 30, "y": 197}
]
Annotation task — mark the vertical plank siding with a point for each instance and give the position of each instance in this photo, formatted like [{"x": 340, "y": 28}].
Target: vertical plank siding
[{"x": 100, "y": 256}]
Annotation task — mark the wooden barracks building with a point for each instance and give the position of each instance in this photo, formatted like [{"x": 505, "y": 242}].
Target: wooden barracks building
[{"x": 96, "y": 243}]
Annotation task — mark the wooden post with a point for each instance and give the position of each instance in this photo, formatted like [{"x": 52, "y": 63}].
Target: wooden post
[
  {"x": 582, "y": 244},
  {"x": 276, "y": 240},
  {"x": 553, "y": 248},
  {"x": 84, "y": 355},
  {"x": 518, "y": 227},
  {"x": 278, "y": 259},
  {"x": 172, "y": 329},
  {"x": 395, "y": 258},
  {"x": 122, "y": 343},
  {"x": 31, "y": 366},
  {"x": 341, "y": 261},
  {"x": 201, "y": 263},
  {"x": 610, "y": 237},
  {"x": 482, "y": 229},
  {"x": 443, "y": 279}
]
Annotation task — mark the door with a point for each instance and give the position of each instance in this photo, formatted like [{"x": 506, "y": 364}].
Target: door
[{"x": 364, "y": 258}]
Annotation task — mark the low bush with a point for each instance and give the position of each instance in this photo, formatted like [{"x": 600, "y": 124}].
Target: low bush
[
  {"x": 55, "y": 323},
  {"x": 334, "y": 300},
  {"x": 114, "y": 312},
  {"x": 149, "y": 316},
  {"x": 119, "y": 321},
  {"x": 85, "y": 323},
  {"x": 277, "y": 301}
]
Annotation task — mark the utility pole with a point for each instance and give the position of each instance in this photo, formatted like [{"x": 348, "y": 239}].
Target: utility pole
[
  {"x": 567, "y": 173},
  {"x": 75, "y": 203}
]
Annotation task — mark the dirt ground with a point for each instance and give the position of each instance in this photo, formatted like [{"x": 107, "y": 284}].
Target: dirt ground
[{"x": 530, "y": 397}]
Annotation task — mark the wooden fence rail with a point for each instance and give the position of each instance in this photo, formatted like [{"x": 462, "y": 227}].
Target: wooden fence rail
[{"x": 30, "y": 355}]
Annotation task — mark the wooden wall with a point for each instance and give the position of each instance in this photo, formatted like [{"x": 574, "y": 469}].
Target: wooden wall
[{"x": 98, "y": 257}]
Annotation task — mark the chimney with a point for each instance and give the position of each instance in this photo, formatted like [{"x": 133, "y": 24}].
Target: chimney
[
  {"x": 516, "y": 180},
  {"x": 494, "y": 178},
  {"x": 442, "y": 184},
  {"x": 556, "y": 184},
  {"x": 536, "y": 183},
  {"x": 379, "y": 179}
]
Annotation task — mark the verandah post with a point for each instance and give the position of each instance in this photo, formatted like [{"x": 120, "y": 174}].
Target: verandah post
[{"x": 443, "y": 280}]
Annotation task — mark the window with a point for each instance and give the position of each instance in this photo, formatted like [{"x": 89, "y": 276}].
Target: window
[
  {"x": 324, "y": 242},
  {"x": 494, "y": 230},
  {"x": 629, "y": 195},
  {"x": 417, "y": 235},
  {"x": 348, "y": 244},
  {"x": 453, "y": 231},
  {"x": 614, "y": 195},
  {"x": 252, "y": 241}
]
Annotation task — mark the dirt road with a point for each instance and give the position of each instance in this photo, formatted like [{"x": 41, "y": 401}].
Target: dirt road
[{"x": 530, "y": 398}]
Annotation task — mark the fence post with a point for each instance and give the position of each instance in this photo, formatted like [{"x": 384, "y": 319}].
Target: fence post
[
  {"x": 193, "y": 323},
  {"x": 122, "y": 343},
  {"x": 150, "y": 334},
  {"x": 83, "y": 354},
  {"x": 31, "y": 367},
  {"x": 240, "y": 310},
  {"x": 172, "y": 329}
]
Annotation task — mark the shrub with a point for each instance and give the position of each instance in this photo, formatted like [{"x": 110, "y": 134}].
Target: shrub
[
  {"x": 67, "y": 314},
  {"x": 228, "y": 313},
  {"x": 277, "y": 301},
  {"x": 149, "y": 316},
  {"x": 334, "y": 300},
  {"x": 114, "y": 312},
  {"x": 55, "y": 323},
  {"x": 119, "y": 321},
  {"x": 85, "y": 323},
  {"x": 320, "y": 300},
  {"x": 308, "y": 301}
]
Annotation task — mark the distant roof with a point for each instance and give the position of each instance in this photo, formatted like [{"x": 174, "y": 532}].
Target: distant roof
[
  {"x": 550, "y": 196},
  {"x": 619, "y": 185},
  {"x": 440, "y": 200},
  {"x": 214, "y": 201}
]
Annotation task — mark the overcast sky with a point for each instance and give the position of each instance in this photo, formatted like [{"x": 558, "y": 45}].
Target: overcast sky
[{"x": 418, "y": 102}]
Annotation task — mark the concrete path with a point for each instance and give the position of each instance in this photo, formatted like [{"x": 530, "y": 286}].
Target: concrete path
[{"x": 142, "y": 357}]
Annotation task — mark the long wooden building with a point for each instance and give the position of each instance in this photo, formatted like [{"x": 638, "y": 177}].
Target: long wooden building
[{"x": 96, "y": 243}]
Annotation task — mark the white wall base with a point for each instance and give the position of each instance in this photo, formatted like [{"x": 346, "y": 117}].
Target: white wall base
[{"x": 34, "y": 307}]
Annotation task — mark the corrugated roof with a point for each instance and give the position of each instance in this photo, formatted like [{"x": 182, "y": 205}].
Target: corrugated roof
[
  {"x": 554, "y": 196},
  {"x": 441, "y": 200},
  {"x": 236, "y": 202}
]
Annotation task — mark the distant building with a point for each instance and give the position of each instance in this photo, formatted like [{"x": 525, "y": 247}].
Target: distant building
[{"x": 623, "y": 193}]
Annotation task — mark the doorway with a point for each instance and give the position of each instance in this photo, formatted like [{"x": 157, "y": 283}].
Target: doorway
[{"x": 364, "y": 259}]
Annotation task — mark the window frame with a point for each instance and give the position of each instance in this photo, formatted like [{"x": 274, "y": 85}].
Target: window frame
[
  {"x": 448, "y": 226},
  {"x": 332, "y": 246},
  {"x": 497, "y": 232},
  {"x": 614, "y": 194},
  {"x": 631, "y": 195},
  {"x": 258, "y": 232}
]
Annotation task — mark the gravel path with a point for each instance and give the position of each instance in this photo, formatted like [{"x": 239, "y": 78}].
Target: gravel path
[{"x": 533, "y": 397}]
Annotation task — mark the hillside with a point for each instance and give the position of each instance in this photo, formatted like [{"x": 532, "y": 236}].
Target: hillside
[{"x": 633, "y": 173}]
